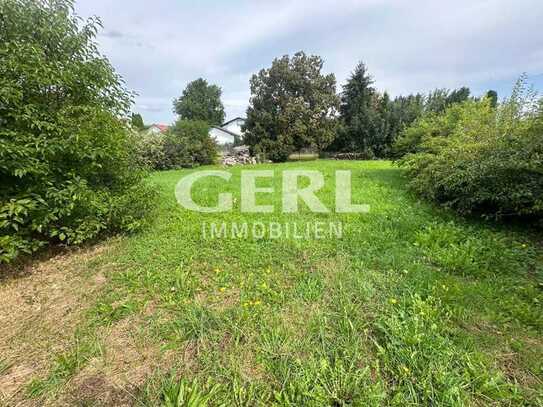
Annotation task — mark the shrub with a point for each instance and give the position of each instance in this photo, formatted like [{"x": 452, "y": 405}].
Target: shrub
[
  {"x": 476, "y": 158},
  {"x": 150, "y": 150},
  {"x": 188, "y": 144},
  {"x": 66, "y": 158}
]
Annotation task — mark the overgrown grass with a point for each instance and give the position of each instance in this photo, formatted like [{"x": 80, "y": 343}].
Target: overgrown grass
[{"x": 412, "y": 306}]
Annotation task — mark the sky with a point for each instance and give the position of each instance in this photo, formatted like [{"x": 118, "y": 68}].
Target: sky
[{"x": 408, "y": 46}]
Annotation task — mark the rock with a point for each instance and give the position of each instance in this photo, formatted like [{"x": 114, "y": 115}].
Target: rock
[{"x": 238, "y": 156}]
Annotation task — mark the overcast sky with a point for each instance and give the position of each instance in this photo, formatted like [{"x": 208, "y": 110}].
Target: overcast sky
[{"x": 410, "y": 46}]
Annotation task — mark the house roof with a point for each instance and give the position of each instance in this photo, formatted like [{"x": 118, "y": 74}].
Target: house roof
[
  {"x": 161, "y": 127},
  {"x": 233, "y": 120}
]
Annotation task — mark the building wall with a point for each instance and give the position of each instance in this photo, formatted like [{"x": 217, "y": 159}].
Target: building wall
[
  {"x": 153, "y": 130},
  {"x": 221, "y": 137}
]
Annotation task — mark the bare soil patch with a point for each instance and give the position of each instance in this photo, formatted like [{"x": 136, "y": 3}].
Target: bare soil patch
[{"x": 42, "y": 303}]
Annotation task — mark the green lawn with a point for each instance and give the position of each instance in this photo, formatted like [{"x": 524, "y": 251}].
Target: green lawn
[{"x": 412, "y": 306}]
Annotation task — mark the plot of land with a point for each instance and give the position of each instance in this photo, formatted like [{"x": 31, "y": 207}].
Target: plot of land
[{"x": 412, "y": 305}]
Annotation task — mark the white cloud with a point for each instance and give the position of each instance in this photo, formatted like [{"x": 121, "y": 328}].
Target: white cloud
[{"x": 408, "y": 46}]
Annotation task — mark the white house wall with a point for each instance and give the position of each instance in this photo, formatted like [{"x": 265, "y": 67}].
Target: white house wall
[{"x": 221, "y": 137}]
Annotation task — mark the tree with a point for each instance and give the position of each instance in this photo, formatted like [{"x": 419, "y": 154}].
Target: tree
[
  {"x": 137, "y": 121},
  {"x": 200, "y": 101},
  {"x": 458, "y": 96},
  {"x": 66, "y": 159},
  {"x": 492, "y": 95},
  {"x": 405, "y": 110},
  {"x": 360, "y": 117},
  {"x": 439, "y": 100},
  {"x": 370, "y": 120},
  {"x": 293, "y": 105}
]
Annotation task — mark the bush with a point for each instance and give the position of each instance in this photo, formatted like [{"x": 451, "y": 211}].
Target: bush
[
  {"x": 188, "y": 144},
  {"x": 150, "y": 150},
  {"x": 66, "y": 158},
  {"x": 476, "y": 158}
]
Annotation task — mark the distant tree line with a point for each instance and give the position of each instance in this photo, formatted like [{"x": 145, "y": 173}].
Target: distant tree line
[{"x": 294, "y": 106}]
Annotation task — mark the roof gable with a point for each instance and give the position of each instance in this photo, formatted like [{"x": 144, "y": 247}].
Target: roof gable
[{"x": 231, "y": 121}]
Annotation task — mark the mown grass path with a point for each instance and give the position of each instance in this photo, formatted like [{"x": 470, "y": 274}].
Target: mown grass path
[{"x": 412, "y": 306}]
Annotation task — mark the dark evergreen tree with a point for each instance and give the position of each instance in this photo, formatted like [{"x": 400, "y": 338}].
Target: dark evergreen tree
[
  {"x": 493, "y": 96},
  {"x": 137, "y": 121},
  {"x": 358, "y": 117}
]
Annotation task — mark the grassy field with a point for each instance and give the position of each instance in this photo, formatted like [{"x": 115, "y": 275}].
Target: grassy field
[{"x": 412, "y": 306}]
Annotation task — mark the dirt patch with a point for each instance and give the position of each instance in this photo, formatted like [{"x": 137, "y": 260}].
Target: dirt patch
[
  {"x": 10, "y": 381},
  {"x": 41, "y": 305},
  {"x": 129, "y": 358},
  {"x": 115, "y": 377},
  {"x": 97, "y": 391}
]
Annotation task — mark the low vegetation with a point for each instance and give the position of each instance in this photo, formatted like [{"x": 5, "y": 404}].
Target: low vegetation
[
  {"x": 479, "y": 158},
  {"x": 412, "y": 306},
  {"x": 186, "y": 144}
]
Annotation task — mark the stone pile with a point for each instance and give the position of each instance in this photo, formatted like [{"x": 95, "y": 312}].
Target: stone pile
[{"x": 238, "y": 156}]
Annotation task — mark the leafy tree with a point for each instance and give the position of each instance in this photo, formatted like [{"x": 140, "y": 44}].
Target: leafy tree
[
  {"x": 200, "y": 101},
  {"x": 137, "y": 121},
  {"x": 492, "y": 95},
  {"x": 427, "y": 119},
  {"x": 66, "y": 158},
  {"x": 188, "y": 144},
  {"x": 405, "y": 110},
  {"x": 440, "y": 99},
  {"x": 292, "y": 106},
  {"x": 150, "y": 150},
  {"x": 458, "y": 96}
]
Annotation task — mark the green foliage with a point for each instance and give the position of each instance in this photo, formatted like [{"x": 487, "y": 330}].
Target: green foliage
[
  {"x": 137, "y": 121},
  {"x": 187, "y": 394},
  {"x": 440, "y": 99},
  {"x": 476, "y": 158},
  {"x": 433, "y": 125},
  {"x": 66, "y": 158},
  {"x": 200, "y": 101},
  {"x": 150, "y": 150},
  {"x": 292, "y": 107},
  {"x": 358, "y": 132},
  {"x": 423, "y": 361},
  {"x": 188, "y": 144},
  {"x": 493, "y": 96},
  {"x": 371, "y": 122}
]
